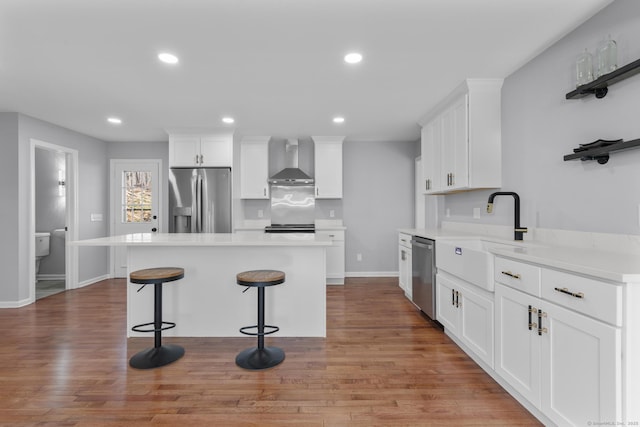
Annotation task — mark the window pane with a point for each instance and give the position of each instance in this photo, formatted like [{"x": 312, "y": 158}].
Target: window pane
[{"x": 136, "y": 194}]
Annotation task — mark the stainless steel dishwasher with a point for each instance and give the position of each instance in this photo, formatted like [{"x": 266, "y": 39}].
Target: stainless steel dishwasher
[{"x": 423, "y": 257}]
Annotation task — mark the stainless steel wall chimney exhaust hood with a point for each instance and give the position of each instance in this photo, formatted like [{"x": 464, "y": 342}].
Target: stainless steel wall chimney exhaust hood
[{"x": 291, "y": 174}]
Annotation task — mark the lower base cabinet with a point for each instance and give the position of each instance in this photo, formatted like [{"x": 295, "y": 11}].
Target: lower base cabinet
[
  {"x": 466, "y": 314},
  {"x": 335, "y": 256},
  {"x": 566, "y": 364}
]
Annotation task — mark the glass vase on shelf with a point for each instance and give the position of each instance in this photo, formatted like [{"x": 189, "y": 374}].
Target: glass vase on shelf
[
  {"x": 584, "y": 68},
  {"x": 606, "y": 57}
]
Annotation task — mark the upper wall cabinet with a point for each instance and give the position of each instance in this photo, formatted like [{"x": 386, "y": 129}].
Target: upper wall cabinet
[
  {"x": 460, "y": 139},
  {"x": 328, "y": 166},
  {"x": 189, "y": 150},
  {"x": 254, "y": 167}
]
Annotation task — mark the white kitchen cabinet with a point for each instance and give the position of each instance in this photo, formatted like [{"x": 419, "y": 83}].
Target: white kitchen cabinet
[
  {"x": 335, "y": 256},
  {"x": 187, "y": 150},
  {"x": 430, "y": 157},
  {"x": 254, "y": 168},
  {"x": 466, "y": 312},
  {"x": 405, "y": 273},
  {"x": 328, "y": 166},
  {"x": 461, "y": 142},
  {"x": 568, "y": 365}
]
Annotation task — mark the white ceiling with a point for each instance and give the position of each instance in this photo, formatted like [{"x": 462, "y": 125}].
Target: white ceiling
[{"x": 274, "y": 65}]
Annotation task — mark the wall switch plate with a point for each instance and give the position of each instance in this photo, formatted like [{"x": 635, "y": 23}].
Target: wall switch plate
[
  {"x": 476, "y": 213},
  {"x": 359, "y": 257},
  {"x": 332, "y": 213},
  {"x": 260, "y": 213},
  {"x": 95, "y": 217},
  {"x": 447, "y": 213}
]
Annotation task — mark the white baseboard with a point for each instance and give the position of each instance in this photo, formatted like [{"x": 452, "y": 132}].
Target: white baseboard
[
  {"x": 371, "y": 274},
  {"x": 16, "y": 304},
  {"x": 93, "y": 280},
  {"x": 50, "y": 277}
]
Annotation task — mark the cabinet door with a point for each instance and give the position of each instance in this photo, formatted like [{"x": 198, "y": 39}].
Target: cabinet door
[
  {"x": 184, "y": 151},
  {"x": 448, "y": 298},
  {"x": 476, "y": 324},
  {"x": 216, "y": 151},
  {"x": 581, "y": 368},
  {"x": 459, "y": 163},
  {"x": 335, "y": 256},
  {"x": 404, "y": 270},
  {"x": 328, "y": 166},
  {"x": 254, "y": 170},
  {"x": 517, "y": 356},
  {"x": 431, "y": 158}
]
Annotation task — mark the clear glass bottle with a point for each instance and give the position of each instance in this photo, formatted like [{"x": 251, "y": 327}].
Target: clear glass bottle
[
  {"x": 584, "y": 68},
  {"x": 606, "y": 57}
]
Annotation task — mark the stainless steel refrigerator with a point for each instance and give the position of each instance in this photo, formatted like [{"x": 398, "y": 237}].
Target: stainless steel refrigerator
[{"x": 200, "y": 200}]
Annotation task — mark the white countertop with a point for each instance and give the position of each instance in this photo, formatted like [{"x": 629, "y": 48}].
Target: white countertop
[
  {"x": 608, "y": 265},
  {"x": 209, "y": 239}
]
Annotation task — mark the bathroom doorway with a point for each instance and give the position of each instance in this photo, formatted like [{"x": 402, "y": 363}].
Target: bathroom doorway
[{"x": 52, "y": 190}]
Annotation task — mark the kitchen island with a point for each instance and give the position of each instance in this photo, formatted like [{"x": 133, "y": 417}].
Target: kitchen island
[{"x": 207, "y": 302}]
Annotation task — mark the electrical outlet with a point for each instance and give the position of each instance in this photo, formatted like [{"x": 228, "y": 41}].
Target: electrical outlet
[
  {"x": 476, "y": 213},
  {"x": 447, "y": 213},
  {"x": 359, "y": 257},
  {"x": 332, "y": 213},
  {"x": 260, "y": 213}
]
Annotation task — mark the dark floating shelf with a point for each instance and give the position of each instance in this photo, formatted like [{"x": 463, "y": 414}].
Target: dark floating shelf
[
  {"x": 600, "y": 86},
  {"x": 601, "y": 154}
]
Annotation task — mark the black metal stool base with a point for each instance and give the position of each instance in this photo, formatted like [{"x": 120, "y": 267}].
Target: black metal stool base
[
  {"x": 255, "y": 358},
  {"x": 155, "y": 357}
]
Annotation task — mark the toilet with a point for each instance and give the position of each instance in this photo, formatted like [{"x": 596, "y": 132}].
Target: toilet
[{"x": 42, "y": 247}]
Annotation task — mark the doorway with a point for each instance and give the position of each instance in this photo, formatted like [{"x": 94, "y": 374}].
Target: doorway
[
  {"x": 53, "y": 213},
  {"x": 135, "y": 201}
]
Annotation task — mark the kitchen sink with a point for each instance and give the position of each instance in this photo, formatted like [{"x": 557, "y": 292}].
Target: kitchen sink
[{"x": 469, "y": 260}]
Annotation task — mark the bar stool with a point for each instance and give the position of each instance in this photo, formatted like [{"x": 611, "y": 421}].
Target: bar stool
[
  {"x": 158, "y": 355},
  {"x": 260, "y": 357}
]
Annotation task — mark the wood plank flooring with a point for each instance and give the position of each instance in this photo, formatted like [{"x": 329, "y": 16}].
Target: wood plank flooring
[{"x": 64, "y": 362}]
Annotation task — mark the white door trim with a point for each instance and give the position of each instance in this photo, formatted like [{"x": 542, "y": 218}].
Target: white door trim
[
  {"x": 113, "y": 202},
  {"x": 71, "y": 220}
]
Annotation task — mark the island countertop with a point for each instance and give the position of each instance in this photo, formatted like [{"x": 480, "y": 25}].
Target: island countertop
[{"x": 209, "y": 239}]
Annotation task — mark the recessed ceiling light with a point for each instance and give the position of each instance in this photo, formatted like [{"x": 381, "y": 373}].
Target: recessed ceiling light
[
  {"x": 114, "y": 120},
  {"x": 352, "y": 58},
  {"x": 228, "y": 120},
  {"x": 168, "y": 58},
  {"x": 338, "y": 120}
]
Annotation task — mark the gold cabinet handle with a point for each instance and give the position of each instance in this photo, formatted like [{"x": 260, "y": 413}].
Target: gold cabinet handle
[
  {"x": 568, "y": 292},
  {"x": 510, "y": 274}
]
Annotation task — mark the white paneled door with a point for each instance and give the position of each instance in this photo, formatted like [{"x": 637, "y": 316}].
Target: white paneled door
[{"x": 135, "y": 200}]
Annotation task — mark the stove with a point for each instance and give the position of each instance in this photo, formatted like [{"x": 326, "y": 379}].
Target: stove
[{"x": 290, "y": 228}]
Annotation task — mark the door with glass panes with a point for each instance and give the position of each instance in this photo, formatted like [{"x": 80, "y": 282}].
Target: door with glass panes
[{"x": 135, "y": 201}]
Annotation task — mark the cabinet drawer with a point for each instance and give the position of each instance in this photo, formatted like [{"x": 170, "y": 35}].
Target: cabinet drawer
[
  {"x": 404, "y": 240},
  {"x": 588, "y": 296},
  {"x": 334, "y": 235},
  {"x": 517, "y": 275}
]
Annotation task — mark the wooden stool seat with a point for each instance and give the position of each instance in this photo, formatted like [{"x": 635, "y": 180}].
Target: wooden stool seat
[
  {"x": 156, "y": 275},
  {"x": 260, "y": 357},
  {"x": 159, "y": 354},
  {"x": 260, "y": 278}
]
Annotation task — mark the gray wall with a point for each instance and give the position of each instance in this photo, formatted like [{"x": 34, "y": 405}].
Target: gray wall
[
  {"x": 16, "y": 131},
  {"x": 378, "y": 199},
  {"x": 539, "y": 126},
  {"x": 50, "y": 208},
  {"x": 9, "y": 213}
]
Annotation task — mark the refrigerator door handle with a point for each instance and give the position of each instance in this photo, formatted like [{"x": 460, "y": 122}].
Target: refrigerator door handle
[
  {"x": 194, "y": 203},
  {"x": 199, "y": 204}
]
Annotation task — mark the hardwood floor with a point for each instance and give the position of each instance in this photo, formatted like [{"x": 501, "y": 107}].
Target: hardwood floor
[{"x": 64, "y": 362}]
